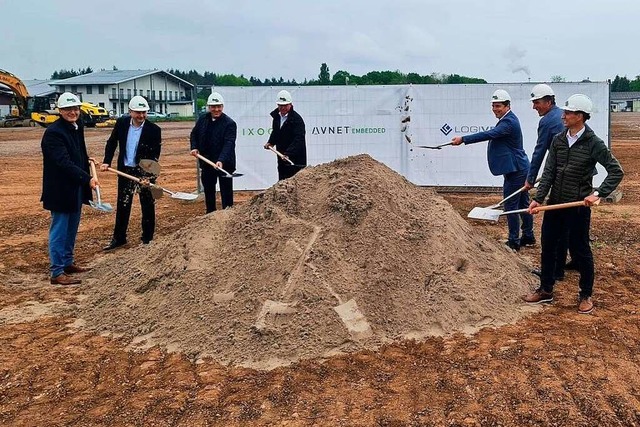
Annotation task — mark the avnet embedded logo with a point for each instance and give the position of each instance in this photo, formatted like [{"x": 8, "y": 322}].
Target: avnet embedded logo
[{"x": 446, "y": 129}]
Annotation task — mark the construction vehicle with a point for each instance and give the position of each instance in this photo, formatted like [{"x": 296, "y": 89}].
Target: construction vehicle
[{"x": 41, "y": 110}]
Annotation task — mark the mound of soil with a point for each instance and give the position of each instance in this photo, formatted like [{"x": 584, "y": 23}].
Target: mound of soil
[{"x": 344, "y": 256}]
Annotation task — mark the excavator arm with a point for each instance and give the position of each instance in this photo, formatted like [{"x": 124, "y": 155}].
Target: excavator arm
[{"x": 18, "y": 88}]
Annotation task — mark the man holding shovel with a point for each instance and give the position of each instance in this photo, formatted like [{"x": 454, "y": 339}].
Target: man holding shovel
[
  {"x": 214, "y": 137},
  {"x": 544, "y": 102},
  {"x": 66, "y": 186},
  {"x": 135, "y": 138},
  {"x": 568, "y": 176},
  {"x": 288, "y": 136},
  {"x": 506, "y": 157}
]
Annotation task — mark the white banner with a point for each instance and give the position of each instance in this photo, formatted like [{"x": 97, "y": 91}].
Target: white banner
[{"x": 387, "y": 121}]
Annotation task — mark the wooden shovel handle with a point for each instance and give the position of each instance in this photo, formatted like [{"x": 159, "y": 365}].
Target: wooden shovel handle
[
  {"x": 213, "y": 165},
  {"x": 282, "y": 156},
  {"x": 126, "y": 175},
  {"x": 558, "y": 206}
]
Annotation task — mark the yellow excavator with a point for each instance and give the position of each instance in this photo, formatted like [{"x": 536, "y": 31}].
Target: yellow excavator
[{"x": 33, "y": 110}]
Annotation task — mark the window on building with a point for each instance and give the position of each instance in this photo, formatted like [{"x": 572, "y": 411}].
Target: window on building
[
  {"x": 160, "y": 95},
  {"x": 122, "y": 107},
  {"x": 148, "y": 94},
  {"x": 121, "y": 93},
  {"x": 101, "y": 104},
  {"x": 113, "y": 93},
  {"x": 62, "y": 88},
  {"x": 101, "y": 89},
  {"x": 128, "y": 93},
  {"x": 181, "y": 94},
  {"x": 89, "y": 90},
  {"x": 170, "y": 96},
  {"x": 115, "y": 107},
  {"x": 74, "y": 89},
  {"x": 176, "y": 95}
]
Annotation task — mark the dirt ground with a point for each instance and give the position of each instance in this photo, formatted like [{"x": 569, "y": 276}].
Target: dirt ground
[{"x": 555, "y": 367}]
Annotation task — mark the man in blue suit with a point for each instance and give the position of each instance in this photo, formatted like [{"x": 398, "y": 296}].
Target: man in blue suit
[{"x": 506, "y": 157}]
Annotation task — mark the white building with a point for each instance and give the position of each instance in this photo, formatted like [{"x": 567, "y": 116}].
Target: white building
[{"x": 112, "y": 89}]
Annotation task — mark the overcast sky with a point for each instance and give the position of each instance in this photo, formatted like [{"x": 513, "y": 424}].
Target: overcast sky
[{"x": 499, "y": 41}]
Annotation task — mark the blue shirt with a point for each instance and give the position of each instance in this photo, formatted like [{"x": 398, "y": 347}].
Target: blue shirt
[
  {"x": 550, "y": 125},
  {"x": 133, "y": 138}
]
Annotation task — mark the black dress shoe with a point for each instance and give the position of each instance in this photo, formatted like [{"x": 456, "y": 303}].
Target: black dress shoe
[{"x": 113, "y": 244}]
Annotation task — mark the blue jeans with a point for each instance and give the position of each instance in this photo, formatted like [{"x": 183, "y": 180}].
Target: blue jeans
[
  {"x": 512, "y": 182},
  {"x": 62, "y": 239}
]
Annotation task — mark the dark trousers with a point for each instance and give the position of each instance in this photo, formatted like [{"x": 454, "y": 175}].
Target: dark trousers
[
  {"x": 287, "y": 171},
  {"x": 209, "y": 177},
  {"x": 126, "y": 192},
  {"x": 555, "y": 224},
  {"x": 512, "y": 182}
]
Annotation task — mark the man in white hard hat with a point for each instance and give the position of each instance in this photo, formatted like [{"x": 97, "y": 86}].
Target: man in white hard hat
[
  {"x": 506, "y": 157},
  {"x": 135, "y": 138},
  {"x": 288, "y": 137},
  {"x": 568, "y": 177},
  {"x": 214, "y": 137},
  {"x": 543, "y": 100},
  {"x": 66, "y": 186}
]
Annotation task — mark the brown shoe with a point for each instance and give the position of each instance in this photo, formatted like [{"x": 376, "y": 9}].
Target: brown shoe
[
  {"x": 538, "y": 296},
  {"x": 70, "y": 269},
  {"x": 585, "y": 306},
  {"x": 64, "y": 280}
]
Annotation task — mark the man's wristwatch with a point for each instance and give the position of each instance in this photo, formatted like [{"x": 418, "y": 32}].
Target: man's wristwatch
[{"x": 596, "y": 193}]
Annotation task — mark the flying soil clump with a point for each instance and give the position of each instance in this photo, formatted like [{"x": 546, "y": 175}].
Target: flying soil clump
[{"x": 344, "y": 256}]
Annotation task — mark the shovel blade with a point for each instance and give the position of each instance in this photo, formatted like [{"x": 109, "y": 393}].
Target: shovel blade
[
  {"x": 485, "y": 214},
  {"x": 150, "y": 166},
  {"x": 183, "y": 196},
  {"x": 104, "y": 207}
]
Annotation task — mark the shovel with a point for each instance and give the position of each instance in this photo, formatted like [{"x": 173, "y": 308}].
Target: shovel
[
  {"x": 150, "y": 166},
  {"x": 156, "y": 190},
  {"x": 216, "y": 167},
  {"x": 104, "y": 207},
  {"x": 434, "y": 147},
  {"x": 285, "y": 158},
  {"x": 495, "y": 214},
  {"x": 477, "y": 211}
]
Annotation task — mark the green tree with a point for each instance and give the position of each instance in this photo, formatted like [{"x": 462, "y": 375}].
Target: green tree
[
  {"x": 324, "y": 78},
  {"x": 620, "y": 84},
  {"x": 557, "y": 79},
  {"x": 634, "y": 85}
]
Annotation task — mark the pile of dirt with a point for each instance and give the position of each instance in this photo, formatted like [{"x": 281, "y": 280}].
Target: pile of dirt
[{"x": 344, "y": 256}]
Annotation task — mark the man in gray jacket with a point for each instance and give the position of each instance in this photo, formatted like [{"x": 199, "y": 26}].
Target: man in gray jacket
[{"x": 567, "y": 176}]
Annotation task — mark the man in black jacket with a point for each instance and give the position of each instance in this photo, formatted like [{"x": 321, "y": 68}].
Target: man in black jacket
[
  {"x": 568, "y": 176},
  {"x": 214, "y": 137},
  {"x": 136, "y": 138},
  {"x": 288, "y": 136},
  {"x": 66, "y": 185}
]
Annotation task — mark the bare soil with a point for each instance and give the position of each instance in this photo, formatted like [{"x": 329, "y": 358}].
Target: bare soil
[{"x": 553, "y": 367}]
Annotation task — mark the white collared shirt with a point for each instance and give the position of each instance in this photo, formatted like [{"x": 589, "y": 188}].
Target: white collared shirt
[
  {"x": 283, "y": 119},
  {"x": 133, "y": 138},
  {"x": 572, "y": 139}
]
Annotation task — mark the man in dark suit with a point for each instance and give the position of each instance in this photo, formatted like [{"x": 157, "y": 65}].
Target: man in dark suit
[
  {"x": 66, "y": 185},
  {"x": 136, "y": 138},
  {"x": 506, "y": 157},
  {"x": 288, "y": 136},
  {"x": 214, "y": 137}
]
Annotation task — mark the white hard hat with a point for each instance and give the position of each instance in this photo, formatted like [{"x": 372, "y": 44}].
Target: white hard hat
[
  {"x": 67, "y": 100},
  {"x": 578, "y": 102},
  {"x": 215, "y": 99},
  {"x": 540, "y": 91},
  {"x": 500, "y": 95},
  {"x": 138, "y": 103},
  {"x": 283, "y": 98}
]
